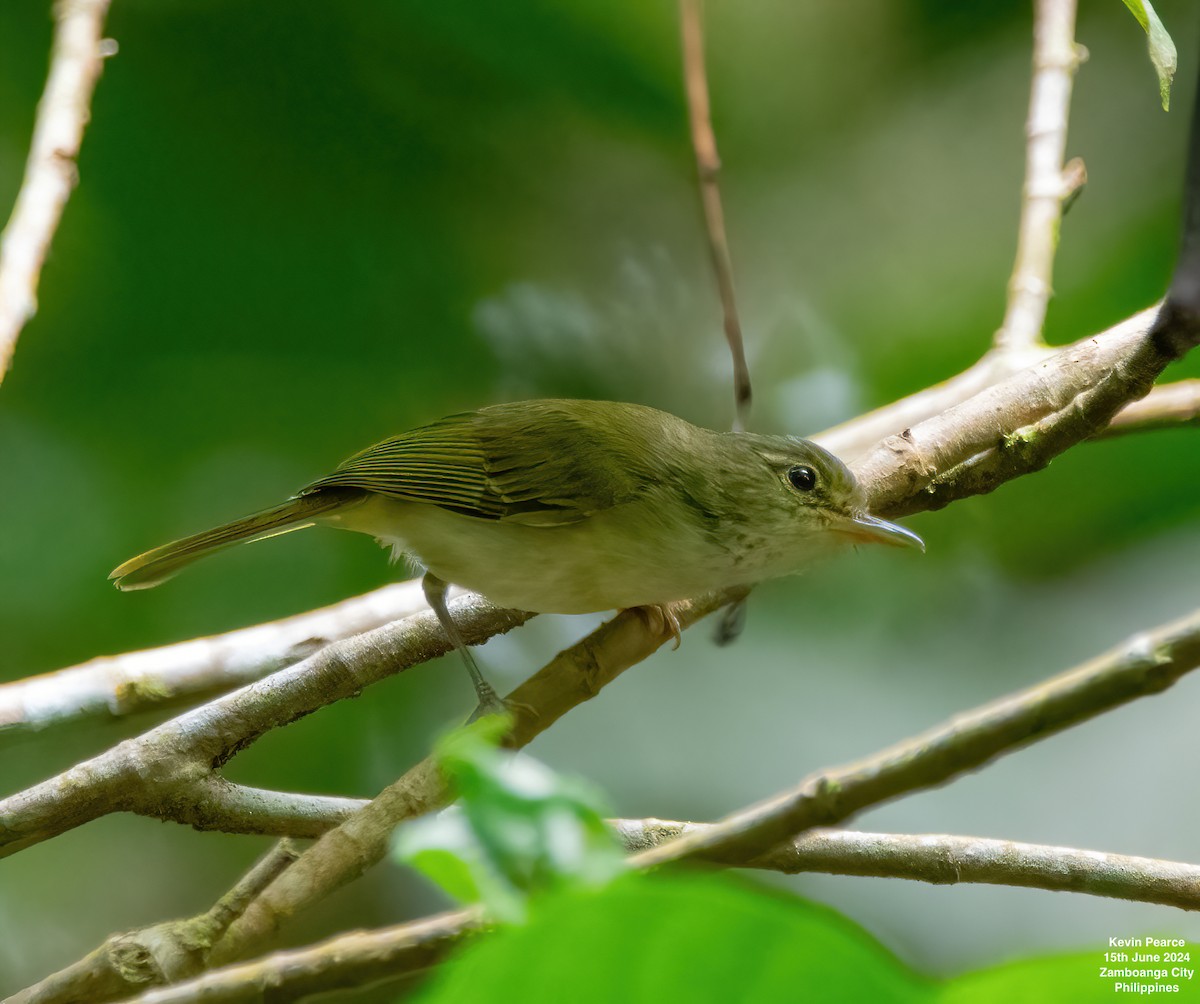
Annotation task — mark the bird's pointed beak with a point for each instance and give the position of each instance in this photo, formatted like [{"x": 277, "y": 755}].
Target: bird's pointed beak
[{"x": 872, "y": 529}]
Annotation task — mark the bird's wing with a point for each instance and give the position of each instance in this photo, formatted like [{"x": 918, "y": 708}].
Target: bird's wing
[{"x": 538, "y": 466}]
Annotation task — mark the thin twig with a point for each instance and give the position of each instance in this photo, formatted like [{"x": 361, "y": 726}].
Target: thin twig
[
  {"x": 708, "y": 167},
  {"x": 943, "y": 859},
  {"x": 120, "y": 685},
  {"x": 1048, "y": 187},
  {"x": 1145, "y": 664},
  {"x": 1055, "y": 59},
  {"x": 1168, "y": 406},
  {"x": 50, "y": 173},
  {"x": 356, "y": 960}
]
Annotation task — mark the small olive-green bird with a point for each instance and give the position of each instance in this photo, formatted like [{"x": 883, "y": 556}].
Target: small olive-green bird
[{"x": 564, "y": 506}]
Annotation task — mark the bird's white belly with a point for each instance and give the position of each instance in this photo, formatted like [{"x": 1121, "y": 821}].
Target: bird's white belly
[{"x": 598, "y": 563}]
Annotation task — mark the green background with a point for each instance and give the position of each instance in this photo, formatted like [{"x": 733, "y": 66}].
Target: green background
[{"x": 303, "y": 227}]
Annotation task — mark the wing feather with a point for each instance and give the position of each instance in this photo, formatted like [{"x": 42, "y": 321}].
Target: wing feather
[{"x": 539, "y": 463}]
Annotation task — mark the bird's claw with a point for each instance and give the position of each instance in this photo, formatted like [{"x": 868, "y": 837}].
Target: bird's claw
[
  {"x": 662, "y": 620},
  {"x": 491, "y": 703}
]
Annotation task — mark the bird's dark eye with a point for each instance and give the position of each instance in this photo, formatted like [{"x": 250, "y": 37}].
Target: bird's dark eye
[{"x": 802, "y": 478}]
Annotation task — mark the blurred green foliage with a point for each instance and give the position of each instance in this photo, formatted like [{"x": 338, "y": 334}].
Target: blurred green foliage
[
  {"x": 301, "y": 228},
  {"x": 517, "y": 831},
  {"x": 647, "y": 939},
  {"x": 650, "y": 939}
]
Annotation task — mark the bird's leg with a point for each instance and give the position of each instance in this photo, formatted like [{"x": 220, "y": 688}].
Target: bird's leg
[
  {"x": 662, "y": 619},
  {"x": 435, "y": 596}
]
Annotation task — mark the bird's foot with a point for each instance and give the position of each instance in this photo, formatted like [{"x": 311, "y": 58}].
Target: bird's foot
[
  {"x": 491, "y": 703},
  {"x": 662, "y": 620}
]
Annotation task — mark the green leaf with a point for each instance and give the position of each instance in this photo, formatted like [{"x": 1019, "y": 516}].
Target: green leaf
[
  {"x": 694, "y": 938},
  {"x": 711, "y": 939},
  {"x": 441, "y": 866},
  {"x": 445, "y": 850},
  {"x": 521, "y": 829},
  {"x": 1162, "y": 48}
]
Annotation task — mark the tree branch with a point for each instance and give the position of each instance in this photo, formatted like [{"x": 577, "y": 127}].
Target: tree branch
[
  {"x": 989, "y": 436},
  {"x": 50, "y": 172},
  {"x": 1145, "y": 664},
  {"x": 1167, "y": 406},
  {"x": 1019, "y": 425},
  {"x": 970, "y": 448},
  {"x": 943, "y": 859},
  {"x": 360, "y": 959},
  {"x": 988, "y": 415},
  {"x": 573, "y": 676},
  {"x": 168, "y": 772},
  {"x": 127, "y": 963},
  {"x": 708, "y": 168},
  {"x": 214, "y": 803},
  {"x": 119, "y": 685},
  {"x": 852, "y": 439},
  {"x": 1055, "y": 60},
  {"x": 1048, "y": 188}
]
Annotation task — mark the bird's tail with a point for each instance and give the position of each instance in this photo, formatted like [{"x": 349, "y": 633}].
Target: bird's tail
[{"x": 160, "y": 563}]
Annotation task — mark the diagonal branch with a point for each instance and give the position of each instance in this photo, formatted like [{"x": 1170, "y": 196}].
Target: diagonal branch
[
  {"x": 1019, "y": 425},
  {"x": 1146, "y": 664},
  {"x": 356, "y": 960},
  {"x": 173, "y": 950},
  {"x": 344, "y": 853},
  {"x": 120, "y": 685},
  {"x": 168, "y": 772},
  {"x": 50, "y": 172}
]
